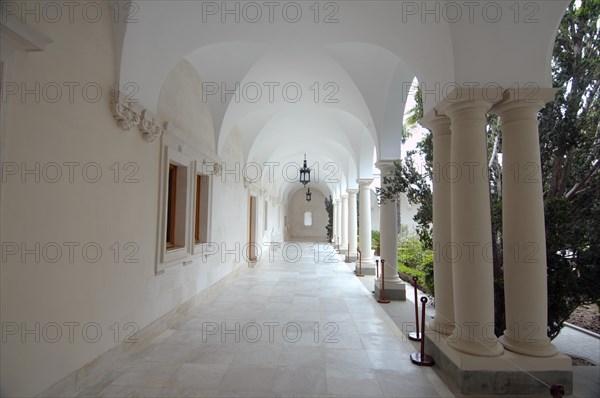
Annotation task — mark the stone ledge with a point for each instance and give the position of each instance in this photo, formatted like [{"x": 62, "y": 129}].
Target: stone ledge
[
  {"x": 366, "y": 269},
  {"x": 508, "y": 374},
  {"x": 394, "y": 292}
]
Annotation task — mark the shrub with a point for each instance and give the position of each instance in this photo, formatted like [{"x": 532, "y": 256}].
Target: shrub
[
  {"x": 415, "y": 260},
  {"x": 411, "y": 252},
  {"x": 375, "y": 236}
]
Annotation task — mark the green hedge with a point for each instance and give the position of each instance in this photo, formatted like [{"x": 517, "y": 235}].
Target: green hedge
[{"x": 415, "y": 260}]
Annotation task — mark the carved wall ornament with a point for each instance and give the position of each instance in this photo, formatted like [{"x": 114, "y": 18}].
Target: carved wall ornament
[
  {"x": 150, "y": 127},
  {"x": 213, "y": 168},
  {"x": 126, "y": 114}
]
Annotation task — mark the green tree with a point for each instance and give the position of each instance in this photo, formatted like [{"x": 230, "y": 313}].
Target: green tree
[
  {"x": 329, "y": 209},
  {"x": 570, "y": 151}
]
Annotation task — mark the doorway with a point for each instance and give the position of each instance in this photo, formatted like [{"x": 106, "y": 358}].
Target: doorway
[{"x": 252, "y": 230}]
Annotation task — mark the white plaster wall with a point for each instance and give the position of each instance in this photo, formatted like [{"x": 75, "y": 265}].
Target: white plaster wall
[
  {"x": 375, "y": 221},
  {"x": 407, "y": 213},
  {"x": 295, "y": 216},
  {"x": 181, "y": 103},
  {"x": 109, "y": 290},
  {"x": 230, "y": 208},
  {"x": 274, "y": 229}
]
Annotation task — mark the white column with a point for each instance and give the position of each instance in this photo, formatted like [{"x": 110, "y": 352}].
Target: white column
[
  {"x": 344, "y": 241},
  {"x": 365, "y": 219},
  {"x": 334, "y": 222},
  {"x": 525, "y": 267},
  {"x": 389, "y": 238},
  {"x": 338, "y": 203},
  {"x": 442, "y": 239},
  {"x": 471, "y": 254},
  {"x": 352, "y": 220}
]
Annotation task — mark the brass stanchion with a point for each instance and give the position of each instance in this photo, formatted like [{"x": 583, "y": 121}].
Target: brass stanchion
[
  {"x": 376, "y": 269},
  {"x": 415, "y": 336},
  {"x": 359, "y": 256},
  {"x": 382, "y": 298},
  {"x": 420, "y": 358}
]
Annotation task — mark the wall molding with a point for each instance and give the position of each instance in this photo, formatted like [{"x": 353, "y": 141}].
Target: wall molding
[
  {"x": 129, "y": 115},
  {"x": 18, "y": 36}
]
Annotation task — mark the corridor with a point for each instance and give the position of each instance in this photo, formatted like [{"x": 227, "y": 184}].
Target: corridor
[{"x": 302, "y": 325}]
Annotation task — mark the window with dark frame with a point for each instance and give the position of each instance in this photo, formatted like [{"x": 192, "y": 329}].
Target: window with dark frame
[{"x": 171, "y": 206}]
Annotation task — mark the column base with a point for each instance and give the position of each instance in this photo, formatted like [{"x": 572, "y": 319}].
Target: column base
[
  {"x": 368, "y": 267},
  {"x": 539, "y": 349},
  {"x": 441, "y": 327},
  {"x": 393, "y": 290},
  {"x": 509, "y": 374},
  {"x": 474, "y": 348}
]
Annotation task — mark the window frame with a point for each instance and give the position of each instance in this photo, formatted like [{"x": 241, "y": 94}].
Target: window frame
[
  {"x": 201, "y": 247},
  {"x": 304, "y": 218},
  {"x": 176, "y": 150},
  {"x": 170, "y": 207},
  {"x": 266, "y": 215},
  {"x": 170, "y": 256}
]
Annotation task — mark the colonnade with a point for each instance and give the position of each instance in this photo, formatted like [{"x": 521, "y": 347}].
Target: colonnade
[
  {"x": 463, "y": 260},
  {"x": 345, "y": 220}
]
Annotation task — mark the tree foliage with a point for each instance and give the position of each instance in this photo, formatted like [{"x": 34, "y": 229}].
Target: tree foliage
[
  {"x": 414, "y": 181},
  {"x": 329, "y": 209},
  {"x": 570, "y": 151}
]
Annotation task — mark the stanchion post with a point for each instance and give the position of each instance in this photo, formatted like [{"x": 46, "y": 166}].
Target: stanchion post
[
  {"x": 382, "y": 298},
  {"x": 359, "y": 256},
  {"x": 416, "y": 336},
  {"x": 376, "y": 269},
  {"x": 557, "y": 391},
  {"x": 420, "y": 358}
]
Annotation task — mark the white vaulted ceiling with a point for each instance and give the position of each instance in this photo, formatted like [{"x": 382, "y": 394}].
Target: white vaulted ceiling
[{"x": 365, "y": 62}]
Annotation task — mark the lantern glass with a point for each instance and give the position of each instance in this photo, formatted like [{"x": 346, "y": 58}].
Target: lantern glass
[{"x": 304, "y": 173}]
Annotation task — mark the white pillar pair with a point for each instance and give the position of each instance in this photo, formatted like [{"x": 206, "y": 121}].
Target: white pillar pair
[
  {"x": 365, "y": 220},
  {"x": 462, "y": 226},
  {"x": 344, "y": 234},
  {"x": 352, "y": 221},
  {"x": 335, "y": 231},
  {"x": 338, "y": 222},
  {"x": 345, "y": 220},
  {"x": 394, "y": 287}
]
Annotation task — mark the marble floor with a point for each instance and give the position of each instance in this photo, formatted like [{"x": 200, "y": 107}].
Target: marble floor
[{"x": 285, "y": 329}]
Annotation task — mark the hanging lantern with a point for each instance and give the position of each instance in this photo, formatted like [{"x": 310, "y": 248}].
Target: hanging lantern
[
  {"x": 308, "y": 195},
  {"x": 304, "y": 173}
]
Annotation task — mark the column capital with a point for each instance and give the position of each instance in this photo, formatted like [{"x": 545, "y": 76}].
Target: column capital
[
  {"x": 352, "y": 191},
  {"x": 344, "y": 197},
  {"x": 438, "y": 124},
  {"x": 465, "y": 98},
  {"x": 364, "y": 182},
  {"x": 385, "y": 166},
  {"x": 524, "y": 99},
  {"x": 337, "y": 200}
]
